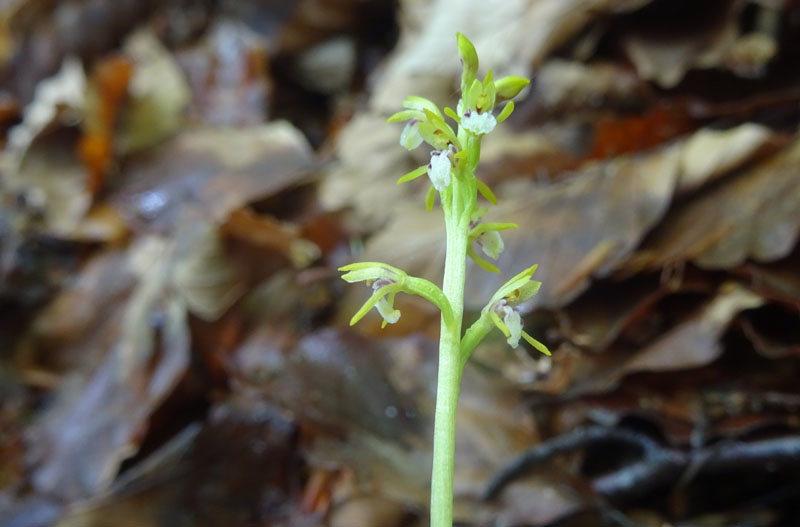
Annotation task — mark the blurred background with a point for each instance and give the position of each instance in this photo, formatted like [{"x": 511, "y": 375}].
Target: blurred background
[{"x": 181, "y": 179}]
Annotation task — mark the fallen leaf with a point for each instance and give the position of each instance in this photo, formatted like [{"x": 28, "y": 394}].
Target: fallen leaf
[
  {"x": 158, "y": 95},
  {"x": 97, "y": 418},
  {"x": 227, "y": 74},
  {"x": 63, "y": 91},
  {"x": 749, "y": 215},
  {"x": 216, "y": 170},
  {"x": 696, "y": 341}
]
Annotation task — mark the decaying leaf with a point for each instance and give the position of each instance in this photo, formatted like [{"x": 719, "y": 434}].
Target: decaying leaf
[
  {"x": 666, "y": 56},
  {"x": 218, "y": 170},
  {"x": 63, "y": 91},
  {"x": 750, "y": 215},
  {"x": 237, "y": 466},
  {"x": 98, "y": 417},
  {"x": 158, "y": 95},
  {"x": 205, "y": 277},
  {"x": 227, "y": 75}
]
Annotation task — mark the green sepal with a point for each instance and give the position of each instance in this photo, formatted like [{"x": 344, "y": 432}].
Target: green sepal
[
  {"x": 471, "y": 94},
  {"x": 452, "y": 114},
  {"x": 441, "y": 127},
  {"x": 485, "y": 101},
  {"x": 430, "y": 198},
  {"x": 505, "y": 112},
  {"x": 370, "y": 303},
  {"x": 536, "y": 344},
  {"x": 480, "y": 262},
  {"x": 517, "y": 289},
  {"x": 483, "y": 227},
  {"x": 405, "y": 115},
  {"x": 486, "y": 192},
  {"x": 470, "y": 59},
  {"x": 369, "y": 271},
  {"x": 414, "y": 174},
  {"x": 499, "y": 323},
  {"x": 433, "y": 135},
  {"x": 414, "y": 102}
]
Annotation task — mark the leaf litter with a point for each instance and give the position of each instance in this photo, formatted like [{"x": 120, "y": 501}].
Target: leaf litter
[{"x": 175, "y": 338}]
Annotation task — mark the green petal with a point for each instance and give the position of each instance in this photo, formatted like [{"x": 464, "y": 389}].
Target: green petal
[
  {"x": 405, "y": 115},
  {"x": 452, "y": 114},
  {"x": 480, "y": 262},
  {"x": 414, "y": 174},
  {"x": 370, "y": 303},
  {"x": 486, "y": 192},
  {"x": 420, "y": 104},
  {"x": 483, "y": 227},
  {"x": 536, "y": 344},
  {"x": 506, "y": 111},
  {"x": 430, "y": 198},
  {"x": 500, "y": 324}
]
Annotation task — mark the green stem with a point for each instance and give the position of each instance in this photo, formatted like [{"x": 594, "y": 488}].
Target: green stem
[{"x": 457, "y": 207}]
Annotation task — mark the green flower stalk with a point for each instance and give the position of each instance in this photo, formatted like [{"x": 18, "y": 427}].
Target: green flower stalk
[{"x": 451, "y": 171}]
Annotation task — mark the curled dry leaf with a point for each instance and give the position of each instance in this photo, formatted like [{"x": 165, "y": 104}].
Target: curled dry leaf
[
  {"x": 696, "y": 341},
  {"x": 158, "y": 95},
  {"x": 63, "y": 91},
  {"x": 665, "y": 57},
  {"x": 204, "y": 276},
  {"x": 711, "y": 153},
  {"x": 752, "y": 214}
]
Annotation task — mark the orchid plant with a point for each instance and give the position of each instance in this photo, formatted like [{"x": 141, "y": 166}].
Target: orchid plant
[{"x": 452, "y": 168}]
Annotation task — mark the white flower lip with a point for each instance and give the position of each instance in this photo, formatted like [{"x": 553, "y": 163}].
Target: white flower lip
[
  {"x": 478, "y": 123},
  {"x": 389, "y": 314},
  {"x": 439, "y": 169},
  {"x": 513, "y": 322}
]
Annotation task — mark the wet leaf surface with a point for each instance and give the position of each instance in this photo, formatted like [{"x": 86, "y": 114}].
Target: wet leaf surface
[{"x": 179, "y": 182}]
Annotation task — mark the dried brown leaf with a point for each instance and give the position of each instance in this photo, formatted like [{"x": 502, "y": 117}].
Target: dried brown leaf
[
  {"x": 751, "y": 214},
  {"x": 98, "y": 417},
  {"x": 696, "y": 341}
]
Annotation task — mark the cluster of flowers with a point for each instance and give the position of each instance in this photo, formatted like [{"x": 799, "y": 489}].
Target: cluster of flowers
[{"x": 455, "y": 155}]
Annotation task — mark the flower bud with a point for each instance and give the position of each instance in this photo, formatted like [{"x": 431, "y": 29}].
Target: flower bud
[{"x": 509, "y": 87}]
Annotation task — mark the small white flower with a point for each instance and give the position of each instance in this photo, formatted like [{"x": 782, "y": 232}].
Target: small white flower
[
  {"x": 389, "y": 314},
  {"x": 478, "y": 123},
  {"x": 491, "y": 243},
  {"x": 410, "y": 138},
  {"x": 439, "y": 169},
  {"x": 513, "y": 322}
]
